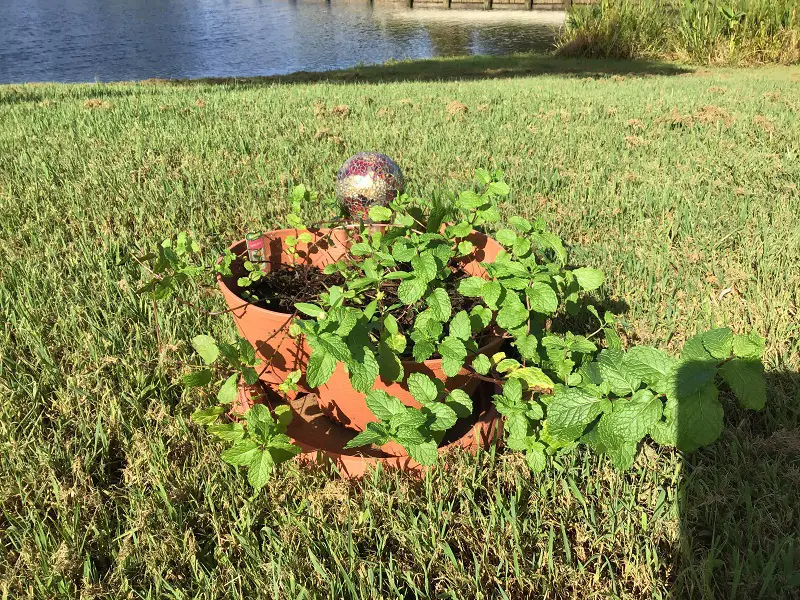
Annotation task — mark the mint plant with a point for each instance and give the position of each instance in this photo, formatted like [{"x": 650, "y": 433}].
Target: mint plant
[{"x": 402, "y": 295}]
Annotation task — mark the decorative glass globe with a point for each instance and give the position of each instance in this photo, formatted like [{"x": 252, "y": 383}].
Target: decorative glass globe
[{"x": 365, "y": 180}]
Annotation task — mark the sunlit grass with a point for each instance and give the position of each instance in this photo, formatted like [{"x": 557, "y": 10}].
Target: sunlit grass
[{"x": 684, "y": 188}]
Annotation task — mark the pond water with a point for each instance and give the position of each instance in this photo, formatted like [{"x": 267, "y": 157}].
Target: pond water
[{"x": 109, "y": 40}]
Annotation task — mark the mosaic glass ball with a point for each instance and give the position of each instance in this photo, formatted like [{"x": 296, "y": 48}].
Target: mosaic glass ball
[{"x": 365, "y": 180}]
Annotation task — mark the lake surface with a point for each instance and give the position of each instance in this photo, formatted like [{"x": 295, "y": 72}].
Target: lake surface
[{"x": 109, "y": 40}]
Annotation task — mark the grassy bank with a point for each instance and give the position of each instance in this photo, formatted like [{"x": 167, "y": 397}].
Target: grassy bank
[
  {"x": 697, "y": 31},
  {"x": 683, "y": 185}
]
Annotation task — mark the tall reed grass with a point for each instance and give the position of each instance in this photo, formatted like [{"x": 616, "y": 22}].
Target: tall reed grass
[{"x": 698, "y": 31}]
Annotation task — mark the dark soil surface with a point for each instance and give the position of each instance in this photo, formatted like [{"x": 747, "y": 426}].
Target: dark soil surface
[{"x": 281, "y": 288}]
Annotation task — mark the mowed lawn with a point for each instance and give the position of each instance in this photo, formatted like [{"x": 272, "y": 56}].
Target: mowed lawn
[{"x": 682, "y": 184}]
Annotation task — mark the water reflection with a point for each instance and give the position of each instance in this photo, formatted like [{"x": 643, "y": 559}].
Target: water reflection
[{"x": 87, "y": 40}]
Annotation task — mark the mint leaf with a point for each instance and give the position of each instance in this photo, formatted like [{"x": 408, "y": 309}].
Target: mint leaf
[
  {"x": 312, "y": 310},
  {"x": 632, "y": 419},
  {"x": 460, "y": 402},
  {"x": 363, "y": 372},
  {"x": 533, "y": 377},
  {"x": 481, "y": 364},
  {"x": 697, "y": 417},
  {"x": 491, "y": 292},
  {"x": 228, "y": 391},
  {"x": 651, "y": 365},
  {"x": 425, "y": 453},
  {"x": 462, "y": 229},
  {"x": 412, "y": 290},
  {"x": 197, "y": 378},
  {"x": 260, "y": 469},
  {"x": 383, "y": 405},
  {"x": 542, "y": 298},
  {"x": 230, "y": 432},
  {"x": 748, "y": 346},
  {"x": 499, "y": 188},
  {"x": 206, "y": 347},
  {"x": 422, "y": 388},
  {"x": 452, "y": 366},
  {"x": 535, "y": 457},
  {"x": 719, "y": 342},
  {"x": 444, "y": 416},
  {"x": 422, "y": 350},
  {"x": 689, "y": 376},
  {"x": 380, "y": 214},
  {"x": 512, "y": 391},
  {"x": 321, "y": 366},
  {"x": 375, "y": 433},
  {"x": 512, "y": 313},
  {"x": 424, "y": 267},
  {"x": 746, "y": 380},
  {"x": 665, "y": 432},
  {"x": 622, "y": 380},
  {"x": 460, "y": 326},
  {"x": 471, "y": 286},
  {"x": 571, "y": 410},
  {"x": 408, "y": 436},
  {"x": 412, "y": 418},
  {"x": 507, "y": 237},
  {"x": 439, "y": 303},
  {"x": 588, "y": 279},
  {"x": 527, "y": 346},
  {"x": 694, "y": 349},
  {"x": 389, "y": 364},
  {"x": 241, "y": 453},
  {"x": 208, "y": 415}
]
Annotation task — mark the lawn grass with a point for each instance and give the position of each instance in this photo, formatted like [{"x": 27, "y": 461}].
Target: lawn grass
[{"x": 684, "y": 185}]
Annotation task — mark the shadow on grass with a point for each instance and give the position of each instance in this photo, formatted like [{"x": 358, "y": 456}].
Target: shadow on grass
[
  {"x": 738, "y": 503},
  {"x": 461, "y": 68}
]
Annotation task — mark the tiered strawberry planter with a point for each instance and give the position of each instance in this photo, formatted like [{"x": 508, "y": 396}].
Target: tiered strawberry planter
[{"x": 325, "y": 418}]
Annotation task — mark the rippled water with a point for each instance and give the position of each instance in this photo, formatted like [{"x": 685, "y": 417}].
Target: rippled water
[{"x": 106, "y": 40}]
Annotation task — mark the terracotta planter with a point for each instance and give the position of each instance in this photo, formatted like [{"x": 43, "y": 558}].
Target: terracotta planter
[
  {"x": 323, "y": 441},
  {"x": 268, "y": 330},
  {"x": 341, "y": 402}
]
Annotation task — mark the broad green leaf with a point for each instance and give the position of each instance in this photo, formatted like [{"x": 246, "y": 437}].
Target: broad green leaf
[
  {"x": 746, "y": 379},
  {"x": 452, "y": 366},
  {"x": 527, "y": 346},
  {"x": 461, "y": 326},
  {"x": 375, "y": 433},
  {"x": 260, "y": 469},
  {"x": 241, "y": 453},
  {"x": 439, "y": 302},
  {"x": 689, "y": 376},
  {"x": 464, "y": 248},
  {"x": 422, "y": 388},
  {"x": 321, "y": 366},
  {"x": 623, "y": 380},
  {"x": 445, "y": 416},
  {"x": 228, "y": 391},
  {"x": 230, "y": 432},
  {"x": 491, "y": 293},
  {"x": 425, "y": 453},
  {"x": 424, "y": 267},
  {"x": 498, "y": 187},
  {"x": 512, "y": 391},
  {"x": 697, "y": 416},
  {"x": 471, "y": 286},
  {"x": 571, "y": 410},
  {"x": 588, "y": 279},
  {"x": 383, "y": 405},
  {"x": 402, "y": 252},
  {"x": 468, "y": 200},
  {"x": 410, "y": 417},
  {"x": 208, "y": 415},
  {"x": 718, "y": 342},
  {"x": 506, "y": 236},
  {"x": 333, "y": 345},
  {"x": 283, "y": 414},
  {"x": 206, "y": 347},
  {"x": 408, "y": 436},
  {"x": 695, "y": 350},
  {"x": 412, "y": 290},
  {"x": 542, "y": 298},
  {"x": 380, "y": 214},
  {"x": 423, "y": 350},
  {"x": 521, "y": 247},
  {"x": 533, "y": 377},
  {"x": 482, "y": 364},
  {"x": 665, "y": 432},
  {"x": 389, "y": 365},
  {"x": 462, "y": 229},
  {"x": 197, "y": 378},
  {"x": 535, "y": 457},
  {"x": 651, "y": 365},
  {"x": 522, "y": 224},
  {"x": 460, "y": 402},
  {"x": 312, "y": 310},
  {"x": 364, "y": 370},
  {"x": 631, "y": 419},
  {"x": 512, "y": 313},
  {"x": 479, "y": 318},
  {"x": 507, "y": 364},
  {"x": 249, "y": 375},
  {"x": 281, "y": 451},
  {"x": 452, "y": 347},
  {"x": 748, "y": 346}
]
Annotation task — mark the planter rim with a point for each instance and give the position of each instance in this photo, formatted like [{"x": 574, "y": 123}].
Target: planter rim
[{"x": 431, "y": 362}]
